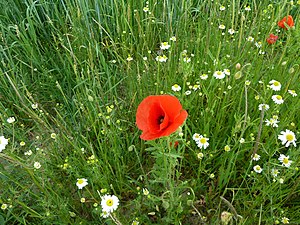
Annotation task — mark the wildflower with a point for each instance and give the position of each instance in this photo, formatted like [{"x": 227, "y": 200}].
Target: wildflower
[
  {"x": 219, "y": 74},
  {"x": 105, "y": 214},
  {"x": 37, "y": 165},
  {"x": 287, "y": 137},
  {"x": 173, "y": 38},
  {"x": 222, "y": 27},
  {"x": 145, "y": 58},
  {"x": 159, "y": 115},
  {"x": 263, "y": 106},
  {"x": 135, "y": 222},
  {"x": 202, "y": 142},
  {"x": 211, "y": 176},
  {"x": 164, "y": 46},
  {"x": 258, "y": 44},
  {"x": 187, "y": 92},
  {"x": 285, "y": 220},
  {"x": 109, "y": 203},
  {"x": 226, "y": 217},
  {"x": 277, "y": 99},
  {"x": 222, "y": 8},
  {"x": 176, "y": 87},
  {"x": 34, "y": 106},
  {"x": 231, "y": 31},
  {"x": 247, "y": 8},
  {"x": 275, "y": 172},
  {"x": 247, "y": 82},
  {"x": 53, "y": 135},
  {"x": 161, "y": 58},
  {"x": 272, "y": 122},
  {"x": 257, "y": 169},
  {"x": 281, "y": 180},
  {"x": 22, "y": 143},
  {"x": 186, "y": 59},
  {"x": 82, "y": 182},
  {"x": 272, "y": 39},
  {"x": 200, "y": 155},
  {"x": 204, "y": 76},
  {"x": 82, "y": 200},
  {"x": 250, "y": 39},
  {"x": 129, "y": 58},
  {"x": 286, "y": 22},
  {"x": 11, "y": 119},
  {"x": 255, "y": 157},
  {"x": 285, "y": 160},
  {"x": 292, "y": 92},
  {"x": 29, "y": 152},
  {"x": 145, "y": 191},
  {"x": 4, "y": 206},
  {"x": 275, "y": 85},
  {"x": 227, "y": 148},
  {"x": 145, "y": 9},
  {"x": 3, "y": 143},
  {"x": 196, "y": 137},
  {"x": 226, "y": 71},
  {"x": 242, "y": 140}
]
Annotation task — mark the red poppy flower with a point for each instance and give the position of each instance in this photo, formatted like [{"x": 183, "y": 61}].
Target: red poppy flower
[
  {"x": 272, "y": 39},
  {"x": 286, "y": 20},
  {"x": 159, "y": 115}
]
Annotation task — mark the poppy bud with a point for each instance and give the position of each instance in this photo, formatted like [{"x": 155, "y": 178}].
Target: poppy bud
[
  {"x": 238, "y": 75},
  {"x": 238, "y": 66}
]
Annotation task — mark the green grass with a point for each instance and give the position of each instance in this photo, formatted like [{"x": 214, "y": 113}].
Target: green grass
[{"x": 70, "y": 57}]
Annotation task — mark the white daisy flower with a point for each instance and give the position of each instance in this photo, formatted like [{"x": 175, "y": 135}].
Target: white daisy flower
[
  {"x": 263, "y": 106},
  {"x": 285, "y": 220},
  {"x": 161, "y": 58},
  {"x": 164, "y": 46},
  {"x": 187, "y": 92},
  {"x": 105, "y": 214},
  {"x": 275, "y": 85},
  {"x": 255, "y": 157},
  {"x": 109, "y": 203},
  {"x": 292, "y": 92},
  {"x": 82, "y": 182},
  {"x": 275, "y": 172},
  {"x": 277, "y": 99},
  {"x": 247, "y": 8},
  {"x": 250, "y": 39},
  {"x": 257, "y": 169},
  {"x": 285, "y": 160},
  {"x": 231, "y": 31},
  {"x": 11, "y": 119},
  {"x": 37, "y": 165},
  {"x": 222, "y": 27},
  {"x": 258, "y": 44},
  {"x": 196, "y": 137},
  {"x": 3, "y": 143},
  {"x": 204, "y": 76},
  {"x": 226, "y": 71},
  {"x": 219, "y": 74},
  {"x": 173, "y": 38},
  {"x": 176, "y": 87},
  {"x": 202, "y": 142},
  {"x": 287, "y": 137},
  {"x": 272, "y": 122},
  {"x": 222, "y": 8}
]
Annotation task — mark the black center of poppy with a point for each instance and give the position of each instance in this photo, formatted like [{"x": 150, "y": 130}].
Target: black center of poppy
[{"x": 160, "y": 119}]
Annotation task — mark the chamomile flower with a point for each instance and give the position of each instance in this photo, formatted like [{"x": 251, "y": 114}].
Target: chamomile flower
[
  {"x": 247, "y": 8},
  {"x": 219, "y": 74},
  {"x": 176, "y": 87},
  {"x": 222, "y": 8},
  {"x": 11, "y": 119},
  {"x": 109, "y": 203},
  {"x": 285, "y": 160},
  {"x": 146, "y": 9},
  {"x": 196, "y": 137},
  {"x": 275, "y": 85},
  {"x": 242, "y": 140},
  {"x": 173, "y": 38},
  {"x": 287, "y": 137},
  {"x": 292, "y": 92},
  {"x": 257, "y": 169},
  {"x": 277, "y": 99},
  {"x": 161, "y": 58},
  {"x": 231, "y": 31},
  {"x": 222, "y": 27},
  {"x": 188, "y": 92},
  {"x": 129, "y": 58},
  {"x": 4, "y": 206},
  {"x": 227, "y": 148},
  {"x": 203, "y": 76},
  {"x": 275, "y": 172},
  {"x": 250, "y": 39},
  {"x": 202, "y": 142},
  {"x": 3, "y": 143},
  {"x": 105, "y": 214},
  {"x": 272, "y": 122},
  {"x": 263, "y": 106},
  {"x": 226, "y": 71},
  {"x": 37, "y": 165},
  {"x": 164, "y": 46},
  {"x": 285, "y": 220},
  {"x": 255, "y": 157},
  {"x": 81, "y": 182}
]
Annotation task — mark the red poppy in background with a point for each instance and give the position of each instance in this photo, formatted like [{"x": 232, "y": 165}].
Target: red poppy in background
[
  {"x": 272, "y": 39},
  {"x": 159, "y": 115},
  {"x": 286, "y": 20}
]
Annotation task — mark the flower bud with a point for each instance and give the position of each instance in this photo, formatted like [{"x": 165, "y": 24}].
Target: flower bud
[
  {"x": 238, "y": 66},
  {"x": 238, "y": 75}
]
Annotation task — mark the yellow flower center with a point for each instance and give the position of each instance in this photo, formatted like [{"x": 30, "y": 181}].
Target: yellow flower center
[
  {"x": 80, "y": 181},
  {"x": 276, "y": 83},
  {"x": 278, "y": 97},
  {"x": 285, "y": 160},
  {"x": 109, "y": 202},
  {"x": 289, "y": 137},
  {"x": 203, "y": 140},
  {"x": 257, "y": 168}
]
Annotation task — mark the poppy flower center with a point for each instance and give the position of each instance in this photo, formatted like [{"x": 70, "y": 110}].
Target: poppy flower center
[{"x": 160, "y": 119}]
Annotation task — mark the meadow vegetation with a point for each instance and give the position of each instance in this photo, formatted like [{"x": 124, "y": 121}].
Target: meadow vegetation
[{"x": 73, "y": 74}]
